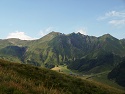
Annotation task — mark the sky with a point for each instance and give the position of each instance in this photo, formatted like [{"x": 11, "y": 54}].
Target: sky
[{"x": 33, "y": 19}]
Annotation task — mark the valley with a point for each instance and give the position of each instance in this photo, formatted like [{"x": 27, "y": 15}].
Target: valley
[{"x": 98, "y": 78}]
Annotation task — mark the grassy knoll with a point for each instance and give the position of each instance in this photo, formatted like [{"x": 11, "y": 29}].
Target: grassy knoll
[{"x": 62, "y": 69}]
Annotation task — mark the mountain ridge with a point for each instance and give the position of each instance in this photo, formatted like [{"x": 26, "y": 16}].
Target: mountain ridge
[{"x": 65, "y": 47}]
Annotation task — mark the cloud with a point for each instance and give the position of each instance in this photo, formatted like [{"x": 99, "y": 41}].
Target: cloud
[
  {"x": 82, "y": 31},
  {"x": 19, "y": 35},
  {"x": 117, "y": 22},
  {"x": 112, "y": 14},
  {"x": 46, "y": 31},
  {"x": 115, "y": 18},
  {"x": 115, "y": 14}
]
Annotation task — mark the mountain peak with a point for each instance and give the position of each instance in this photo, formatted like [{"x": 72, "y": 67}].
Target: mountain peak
[
  {"x": 51, "y": 35},
  {"x": 54, "y": 33},
  {"x": 107, "y": 36}
]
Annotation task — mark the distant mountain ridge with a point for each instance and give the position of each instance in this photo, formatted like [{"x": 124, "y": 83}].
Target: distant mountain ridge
[{"x": 57, "y": 48}]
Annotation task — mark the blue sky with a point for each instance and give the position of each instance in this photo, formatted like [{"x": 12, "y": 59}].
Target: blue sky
[{"x": 32, "y": 19}]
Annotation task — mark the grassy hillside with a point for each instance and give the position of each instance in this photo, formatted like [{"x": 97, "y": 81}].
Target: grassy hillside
[{"x": 26, "y": 79}]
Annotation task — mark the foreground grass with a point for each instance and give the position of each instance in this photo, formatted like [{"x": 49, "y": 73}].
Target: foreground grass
[{"x": 26, "y": 79}]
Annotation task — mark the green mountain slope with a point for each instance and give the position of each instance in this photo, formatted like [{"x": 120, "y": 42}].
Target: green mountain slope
[
  {"x": 111, "y": 44},
  {"x": 57, "y": 48},
  {"x": 96, "y": 62},
  {"x": 13, "y": 49},
  {"x": 26, "y": 79},
  {"x": 39, "y": 52},
  {"x": 13, "y": 52},
  {"x": 118, "y": 73}
]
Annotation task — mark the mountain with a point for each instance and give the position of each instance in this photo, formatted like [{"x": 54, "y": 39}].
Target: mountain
[
  {"x": 57, "y": 48},
  {"x": 118, "y": 73},
  {"x": 96, "y": 62}
]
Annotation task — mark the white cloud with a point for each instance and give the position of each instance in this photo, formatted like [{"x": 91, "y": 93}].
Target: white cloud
[
  {"x": 46, "y": 31},
  {"x": 115, "y": 14},
  {"x": 117, "y": 22},
  {"x": 82, "y": 31},
  {"x": 112, "y": 14},
  {"x": 115, "y": 18},
  {"x": 19, "y": 35}
]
